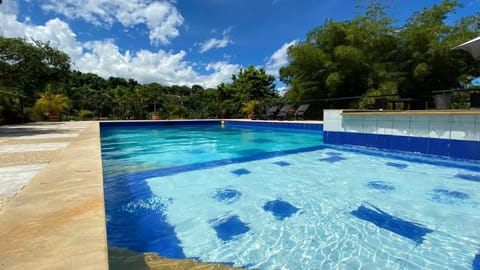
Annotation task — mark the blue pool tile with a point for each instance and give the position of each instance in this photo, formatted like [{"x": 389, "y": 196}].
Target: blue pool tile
[
  {"x": 227, "y": 195},
  {"x": 418, "y": 145},
  {"x": 353, "y": 138},
  {"x": 445, "y": 196},
  {"x": 240, "y": 172},
  {"x": 469, "y": 177},
  {"x": 280, "y": 209},
  {"x": 476, "y": 262},
  {"x": 333, "y": 137},
  {"x": 465, "y": 149},
  {"x": 405, "y": 228},
  {"x": 333, "y": 154},
  {"x": 439, "y": 147},
  {"x": 332, "y": 159},
  {"x": 228, "y": 228},
  {"x": 460, "y": 149},
  {"x": 474, "y": 150},
  {"x": 281, "y": 163},
  {"x": 384, "y": 142},
  {"x": 330, "y": 137},
  {"x": 400, "y": 143},
  {"x": 152, "y": 232},
  {"x": 397, "y": 165},
  {"x": 380, "y": 185},
  {"x": 370, "y": 140}
]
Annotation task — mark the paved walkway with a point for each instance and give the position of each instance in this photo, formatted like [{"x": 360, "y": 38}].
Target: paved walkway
[
  {"x": 51, "y": 187},
  {"x": 26, "y": 149}
]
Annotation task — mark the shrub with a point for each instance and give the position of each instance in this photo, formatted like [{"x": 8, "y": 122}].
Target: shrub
[{"x": 85, "y": 115}]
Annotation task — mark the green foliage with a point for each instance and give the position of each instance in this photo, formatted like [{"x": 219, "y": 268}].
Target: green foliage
[
  {"x": 26, "y": 68},
  {"x": 369, "y": 56},
  {"x": 250, "y": 107},
  {"x": 85, "y": 115},
  {"x": 249, "y": 84},
  {"x": 50, "y": 103}
]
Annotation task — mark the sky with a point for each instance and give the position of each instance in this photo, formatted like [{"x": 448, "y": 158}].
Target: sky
[{"x": 183, "y": 42}]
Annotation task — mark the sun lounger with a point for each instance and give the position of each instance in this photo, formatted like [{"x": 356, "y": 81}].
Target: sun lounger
[
  {"x": 299, "y": 113},
  {"x": 283, "y": 113}
]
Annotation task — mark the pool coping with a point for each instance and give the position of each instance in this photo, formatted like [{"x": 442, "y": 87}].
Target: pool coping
[{"x": 57, "y": 221}]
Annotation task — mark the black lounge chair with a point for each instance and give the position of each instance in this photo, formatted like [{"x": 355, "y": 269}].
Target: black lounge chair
[
  {"x": 475, "y": 101},
  {"x": 270, "y": 114},
  {"x": 283, "y": 113},
  {"x": 380, "y": 104},
  {"x": 299, "y": 113}
]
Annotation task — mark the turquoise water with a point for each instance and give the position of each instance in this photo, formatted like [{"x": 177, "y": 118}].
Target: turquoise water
[
  {"x": 139, "y": 148},
  {"x": 272, "y": 199}
]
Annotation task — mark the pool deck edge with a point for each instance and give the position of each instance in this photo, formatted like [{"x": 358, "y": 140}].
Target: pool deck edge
[{"x": 58, "y": 220}]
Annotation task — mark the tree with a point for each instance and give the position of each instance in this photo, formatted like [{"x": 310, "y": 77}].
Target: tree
[
  {"x": 249, "y": 84},
  {"x": 51, "y": 104},
  {"x": 368, "y": 56},
  {"x": 26, "y": 68},
  {"x": 429, "y": 63}
]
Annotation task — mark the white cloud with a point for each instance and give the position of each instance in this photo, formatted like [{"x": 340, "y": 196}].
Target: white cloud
[
  {"x": 220, "y": 72},
  {"x": 9, "y": 7},
  {"x": 166, "y": 68},
  {"x": 216, "y": 43},
  {"x": 279, "y": 59},
  {"x": 104, "y": 58},
  {"x": 161, "y": 17}
]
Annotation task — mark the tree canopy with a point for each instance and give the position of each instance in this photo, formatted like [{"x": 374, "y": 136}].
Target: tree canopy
[{"x": 370, "y": 56}]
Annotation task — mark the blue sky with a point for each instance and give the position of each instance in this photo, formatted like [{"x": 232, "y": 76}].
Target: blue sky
[{"x": 184, "y": 41}]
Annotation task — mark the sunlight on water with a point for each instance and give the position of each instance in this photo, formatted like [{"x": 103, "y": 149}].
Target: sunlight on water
[{"x": 306, "y": 206}]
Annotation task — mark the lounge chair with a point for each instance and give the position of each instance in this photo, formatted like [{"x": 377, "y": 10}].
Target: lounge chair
[
  {"x": 475, "y": 101},
  {"x": 299, "y": 113},
  {"x": 380, "y": 104},
  {"x": 283, "y": 113},
  {"x": 270, "y": 114}
]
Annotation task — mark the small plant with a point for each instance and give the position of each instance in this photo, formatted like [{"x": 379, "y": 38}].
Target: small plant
[
  {"x": 85, "y": 115},
  {"x": 51, "y": 104},
  {"x": 250, "y": 108}
]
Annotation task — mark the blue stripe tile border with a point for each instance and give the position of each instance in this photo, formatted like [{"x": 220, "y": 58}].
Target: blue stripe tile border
[
  {"x": 288, "y": 125},
  {"x": 233, "y": 123},
  {"x": 158, "y": 123},
  {"x": 457, "y": 149},
  {"x": 469, "y": 165},
  {"x": 469, "y": 177},
  {"x": 405, "y": 228},
  {"x": 212, "y": 164}
]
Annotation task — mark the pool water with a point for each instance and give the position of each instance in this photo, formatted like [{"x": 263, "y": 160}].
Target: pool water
[{"x": 272, "y": 199}]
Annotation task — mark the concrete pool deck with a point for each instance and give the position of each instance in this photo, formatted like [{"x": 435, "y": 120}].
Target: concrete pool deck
[{"x": 56, "y": 220}]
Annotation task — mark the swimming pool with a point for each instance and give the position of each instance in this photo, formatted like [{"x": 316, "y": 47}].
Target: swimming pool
[{"x": 269, "y": 198}]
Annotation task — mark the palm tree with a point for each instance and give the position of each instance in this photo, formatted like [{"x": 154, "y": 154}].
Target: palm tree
[
  {"x": 250, "y": 107},
  {"x": 51, "y": 104}
]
